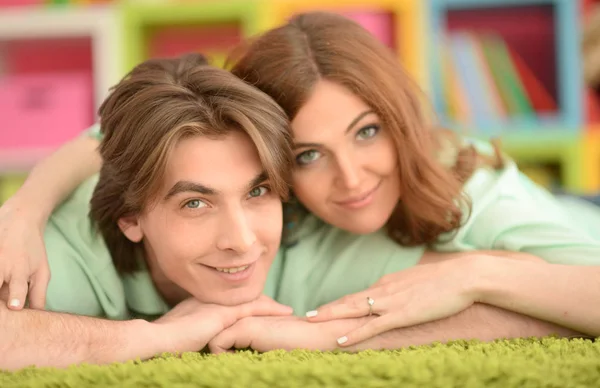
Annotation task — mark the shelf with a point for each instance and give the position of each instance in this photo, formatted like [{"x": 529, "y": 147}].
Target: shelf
[
  {"x": 169, "y": 29},
  {"x": 591, "y": 155},
  {"x": 542, "y": 34}
]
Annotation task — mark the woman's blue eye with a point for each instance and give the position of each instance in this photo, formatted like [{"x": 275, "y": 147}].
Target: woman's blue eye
[
  {"x": 368, "y": 132},
  {"x": 307, "y": 157},
  {"x": 258, "y": 191},
  {"x": 195, "y": 204}
]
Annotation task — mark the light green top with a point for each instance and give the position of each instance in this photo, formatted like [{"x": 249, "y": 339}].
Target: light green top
[
  {"x": 84, "y": 280},
  {"x": 508, "y": 212}
]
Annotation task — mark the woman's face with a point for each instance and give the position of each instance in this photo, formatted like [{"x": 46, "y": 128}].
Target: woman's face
[{"x": 346, "y": 167}]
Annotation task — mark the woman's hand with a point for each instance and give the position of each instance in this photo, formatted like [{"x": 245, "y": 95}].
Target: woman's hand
[
  {"x": 190, "y": 325},
  {"x": 23, "y": 262},
  {"x": 442, "y": 285},
  {"x": 416, "y": 295}
]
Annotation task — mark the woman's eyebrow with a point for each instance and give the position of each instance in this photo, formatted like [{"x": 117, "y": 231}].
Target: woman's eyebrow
[{"x": 357, "y": 119}]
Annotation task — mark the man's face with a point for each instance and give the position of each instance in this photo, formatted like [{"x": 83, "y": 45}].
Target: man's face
[{"x": 216, "y": 226}]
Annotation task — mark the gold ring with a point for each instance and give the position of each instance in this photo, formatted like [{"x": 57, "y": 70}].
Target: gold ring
[{"x": 371, "y": 302}]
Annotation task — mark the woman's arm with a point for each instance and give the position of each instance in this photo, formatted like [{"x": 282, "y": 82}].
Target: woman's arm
[
  {"x": 23, "y": 263},
  {"x": 443, "y": 288},
  {"x": 54, "y": 178}
]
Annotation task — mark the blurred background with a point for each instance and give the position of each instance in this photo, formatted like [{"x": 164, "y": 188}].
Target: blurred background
[{"x": 526, "y": 71}]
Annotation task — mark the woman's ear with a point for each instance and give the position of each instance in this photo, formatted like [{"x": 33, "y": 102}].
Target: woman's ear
[{"x": 131, "y": 228}]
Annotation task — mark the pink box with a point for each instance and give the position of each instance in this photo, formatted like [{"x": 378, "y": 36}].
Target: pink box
[
  {"x": 16, "y": 3},
  {"x": 44, "y": 111},
  {"x": 378, "y": 23}
]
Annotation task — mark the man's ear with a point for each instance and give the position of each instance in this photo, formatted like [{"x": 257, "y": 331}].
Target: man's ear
[{"x": 131, "y": 228}]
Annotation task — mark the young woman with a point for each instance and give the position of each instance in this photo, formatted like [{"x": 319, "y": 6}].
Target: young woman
[
  {"x": 374, "y": 186},
  {"x": 367, "y": 162}
]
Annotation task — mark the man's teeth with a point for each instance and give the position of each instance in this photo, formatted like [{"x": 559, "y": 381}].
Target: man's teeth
[{"x": 232, "y": 270}]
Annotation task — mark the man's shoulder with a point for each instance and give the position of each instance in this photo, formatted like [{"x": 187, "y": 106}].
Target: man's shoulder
[{"x": 83, "y": 277}]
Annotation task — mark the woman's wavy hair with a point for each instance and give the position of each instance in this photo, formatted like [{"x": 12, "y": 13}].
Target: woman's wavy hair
[{"x": 288, "y": 61}]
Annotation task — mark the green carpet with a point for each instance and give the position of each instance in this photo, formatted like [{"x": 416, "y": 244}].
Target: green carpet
[{"x": 548, "y": 362}]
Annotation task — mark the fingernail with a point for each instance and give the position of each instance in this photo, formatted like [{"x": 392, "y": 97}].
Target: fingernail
[
  {"x": 312, "y": 313},
  {"x": 342, "y": 340},
  {"x": 14, "y": 303}
]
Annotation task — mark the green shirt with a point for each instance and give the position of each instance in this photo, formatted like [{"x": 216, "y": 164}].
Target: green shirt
[
  {"x": 84, "y": 280},
  {"x": 508, "y": 212}
]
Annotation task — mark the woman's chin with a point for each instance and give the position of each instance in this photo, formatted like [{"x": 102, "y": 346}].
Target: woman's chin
[{"x": 362, "y": 225}]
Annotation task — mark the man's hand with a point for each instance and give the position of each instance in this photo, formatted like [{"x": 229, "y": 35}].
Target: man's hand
[
  {"x": 271, "y": 333},
  {"x": 191, "y": 324}
]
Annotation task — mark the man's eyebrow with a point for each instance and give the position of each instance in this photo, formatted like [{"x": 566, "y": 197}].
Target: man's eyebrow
[
  {"x": 306, "y": 145},
  {"x": 258, "y": 179},
  {"x": 357, "y": 119},
  {"x": 187, "y": 186}
]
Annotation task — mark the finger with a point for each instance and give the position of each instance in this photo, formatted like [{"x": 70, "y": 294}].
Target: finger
[
  {"x": 354, "y": 307},
  {"x": 369, "y": 330},
  {"x": 37, "y": 289},
  {"x": 230, "y": 338},
  {"x": 263, "y": 306},
  {"x": 4, "y": 292},
  {"x": 348, "y": 298},
  {"x": 17, "y": 292}
]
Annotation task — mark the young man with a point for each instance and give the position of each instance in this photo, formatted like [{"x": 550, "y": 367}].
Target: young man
[{"x": 186, "y": 212}]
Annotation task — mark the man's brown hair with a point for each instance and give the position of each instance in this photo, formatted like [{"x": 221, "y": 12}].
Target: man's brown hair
[
  {"x": 159, "y": 103},
  {"x": 288, "y": 61}
]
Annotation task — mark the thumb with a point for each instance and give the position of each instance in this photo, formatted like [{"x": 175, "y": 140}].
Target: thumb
[
  {"x": 238, "y": 336},
  {"x": 223, "y": 342},
  {"x": 263, "y": 306}
]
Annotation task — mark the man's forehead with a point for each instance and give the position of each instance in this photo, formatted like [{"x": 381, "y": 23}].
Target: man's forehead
[{"x": 226, "y": 162}]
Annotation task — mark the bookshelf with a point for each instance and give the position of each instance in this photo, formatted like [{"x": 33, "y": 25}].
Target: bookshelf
[
  {"x": 508, "y": 69},
  {"x": 557, "y": 139}
]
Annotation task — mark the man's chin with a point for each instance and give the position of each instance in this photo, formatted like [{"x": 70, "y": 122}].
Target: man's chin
[{"x": 234, "y": 297}]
